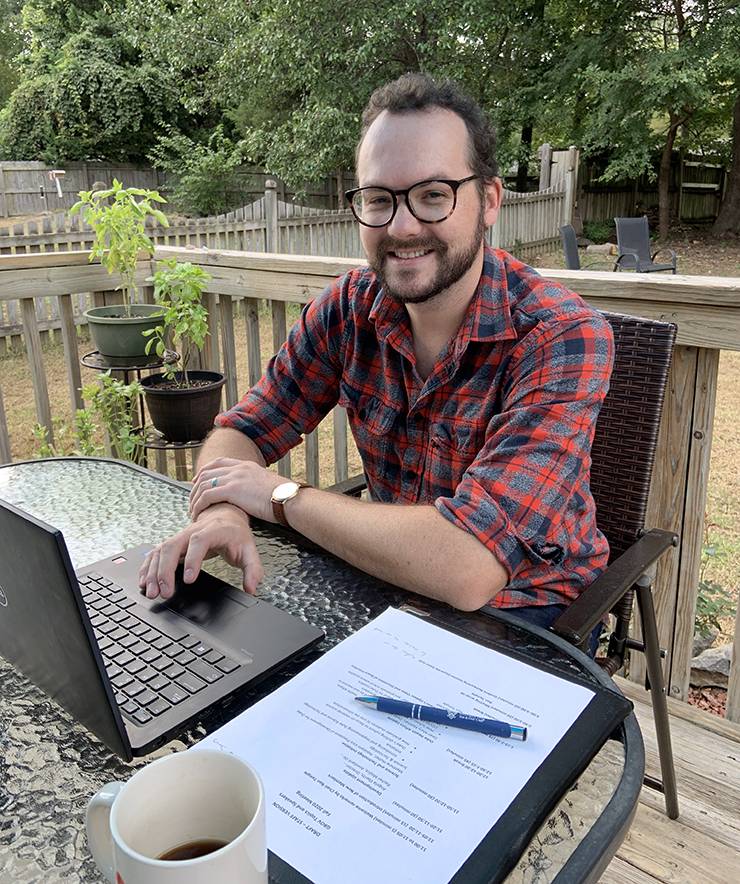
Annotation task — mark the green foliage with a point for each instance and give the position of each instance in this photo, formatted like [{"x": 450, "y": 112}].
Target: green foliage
[
  {"x": 41, "y": 437},
  {"x": 178, "y": 289},
  {"x": 598, "y": 231},
  {"x": 714, "y": 602},
  {"x": 11, "y": 44},
  {"x": 79, "y": 440},
  {"x": 205, "y": 175},
  {"x": 113, "y": 405},
  {"x": 287, "y": 79},
  {"x": 119, "y": 227},
  {"x": 84, "y": 92}
]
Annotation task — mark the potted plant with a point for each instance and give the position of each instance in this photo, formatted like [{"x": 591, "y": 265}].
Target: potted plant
[
  {"x": 182, "y": 402},
  {"x": 118, "y": 218}
]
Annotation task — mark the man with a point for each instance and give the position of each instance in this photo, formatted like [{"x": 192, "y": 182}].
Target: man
[{"x": 472, "y": 388}]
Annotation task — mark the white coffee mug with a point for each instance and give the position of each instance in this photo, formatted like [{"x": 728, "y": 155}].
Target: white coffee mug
[{"x": 177, "y": 800}]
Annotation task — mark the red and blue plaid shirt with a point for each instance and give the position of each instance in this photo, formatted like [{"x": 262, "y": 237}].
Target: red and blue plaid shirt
[{"x": 497, "y": 437}]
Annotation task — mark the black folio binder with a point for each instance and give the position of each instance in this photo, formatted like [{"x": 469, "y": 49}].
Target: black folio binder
[{"x": 500, "y": 850}]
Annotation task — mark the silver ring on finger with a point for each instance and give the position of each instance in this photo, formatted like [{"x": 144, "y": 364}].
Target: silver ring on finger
[{"x": 214, "y": 482}]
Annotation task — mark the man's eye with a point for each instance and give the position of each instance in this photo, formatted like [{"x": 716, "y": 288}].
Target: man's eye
[
  {"x": 434, "y": 196},
  {"x": 378, "y": 202}
]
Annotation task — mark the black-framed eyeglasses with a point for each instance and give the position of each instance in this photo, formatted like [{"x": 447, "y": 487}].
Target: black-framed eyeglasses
[{"x": 429, "y": 201}]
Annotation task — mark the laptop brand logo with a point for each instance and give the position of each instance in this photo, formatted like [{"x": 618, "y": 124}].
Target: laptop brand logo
[{"x": 3, "y": 598}]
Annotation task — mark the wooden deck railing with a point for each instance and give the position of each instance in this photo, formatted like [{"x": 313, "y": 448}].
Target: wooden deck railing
[{"x": 706, "y": 309}]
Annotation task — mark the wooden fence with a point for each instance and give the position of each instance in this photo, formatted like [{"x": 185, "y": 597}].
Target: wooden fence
[
  {"x": 528, "y": 223},
  {"x": 706, "y": 309},
  {"x": 30, "y": 188}
]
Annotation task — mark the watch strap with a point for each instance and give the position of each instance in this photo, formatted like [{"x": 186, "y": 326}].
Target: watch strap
[{"x": 278, "y": 506}]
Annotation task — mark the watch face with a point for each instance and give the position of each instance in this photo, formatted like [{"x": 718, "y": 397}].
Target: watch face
[{"x": 285, "y": 491}]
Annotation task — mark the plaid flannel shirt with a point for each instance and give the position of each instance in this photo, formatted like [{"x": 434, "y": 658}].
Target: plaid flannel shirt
[{"x": 497, "y": 437}]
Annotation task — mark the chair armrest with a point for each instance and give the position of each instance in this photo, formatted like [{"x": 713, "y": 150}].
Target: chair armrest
[
  {"x": 665, "y": 249},
  {"x": 627, "y": 253},
  {"x": 580, "y": 617},
  {"x": 353, "y": 486}
]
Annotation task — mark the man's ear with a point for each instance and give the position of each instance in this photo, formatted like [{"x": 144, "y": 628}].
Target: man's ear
[{"x": 493, "y": 191}]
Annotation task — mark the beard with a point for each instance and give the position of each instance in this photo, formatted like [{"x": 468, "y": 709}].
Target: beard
[{"x": 452, "y": 265}]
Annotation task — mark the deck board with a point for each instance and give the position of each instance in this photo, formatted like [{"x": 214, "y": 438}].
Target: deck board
[{"x": 703, "y": 844}]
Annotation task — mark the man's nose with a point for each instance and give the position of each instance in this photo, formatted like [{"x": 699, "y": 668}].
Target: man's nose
[{"x": 403, "y": 222}]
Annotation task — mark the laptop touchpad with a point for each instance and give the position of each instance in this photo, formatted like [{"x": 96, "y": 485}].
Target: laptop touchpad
[{"x": 206, "y": 603}]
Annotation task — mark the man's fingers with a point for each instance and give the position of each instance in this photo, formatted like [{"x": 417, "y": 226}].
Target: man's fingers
[
  {"x": 170, "y": 553},
  {"x": 150, "y": 576},
  {"x": 252, "y": 569},
  {"x": 197, "y": 550},
  {"x": 215, "y": 464}
]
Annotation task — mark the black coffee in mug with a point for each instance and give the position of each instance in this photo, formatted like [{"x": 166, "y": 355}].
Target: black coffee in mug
[{"x": 193, "y": 849}]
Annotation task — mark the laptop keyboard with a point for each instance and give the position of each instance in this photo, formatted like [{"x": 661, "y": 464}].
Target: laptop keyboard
[{"x": 152, "y": 663}]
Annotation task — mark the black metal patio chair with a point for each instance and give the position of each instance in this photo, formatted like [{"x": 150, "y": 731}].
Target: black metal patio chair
[
  {"x": 570, "y": 247},
  {"x": 570, "y": 252},
  {"x": 622, "y": 456},
  {"x": 633, "y": 244}
]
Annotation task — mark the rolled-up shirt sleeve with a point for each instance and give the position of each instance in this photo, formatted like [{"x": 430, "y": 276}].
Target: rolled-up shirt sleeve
[
  {"x": 526, "y": 494},
  {"x": 300, "y": 385}
]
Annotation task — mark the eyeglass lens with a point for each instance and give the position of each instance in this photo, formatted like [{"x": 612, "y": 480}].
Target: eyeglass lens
[{"x": 429, "y": 201}]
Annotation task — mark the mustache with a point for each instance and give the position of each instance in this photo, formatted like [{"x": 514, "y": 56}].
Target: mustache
[{"x": 389, "y": 244}]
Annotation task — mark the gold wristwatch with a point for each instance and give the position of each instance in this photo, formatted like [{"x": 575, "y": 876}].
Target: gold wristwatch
[{"x": 281, "y": 495}]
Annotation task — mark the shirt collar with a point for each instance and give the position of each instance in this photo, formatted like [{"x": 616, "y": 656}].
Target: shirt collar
[{"x": 488, "y": 317}]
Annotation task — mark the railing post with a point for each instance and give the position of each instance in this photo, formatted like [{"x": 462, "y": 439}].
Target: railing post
[
  {"x": 36, "y": 363},
  {"x": 271, "y": 217},
  {"x": 571, "y": 182},
  {"x": 4, "y": 437},
  {"x": 545, "y": 152}
]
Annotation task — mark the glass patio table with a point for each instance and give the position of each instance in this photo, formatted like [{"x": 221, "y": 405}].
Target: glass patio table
[{"x": 50, "y": 765}]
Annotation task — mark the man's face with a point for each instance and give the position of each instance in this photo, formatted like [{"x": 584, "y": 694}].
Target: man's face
[{"x": 417, "y": 261}]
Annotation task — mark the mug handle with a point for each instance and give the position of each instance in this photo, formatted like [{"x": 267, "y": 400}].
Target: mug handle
[{"x": 97, "y": 823}]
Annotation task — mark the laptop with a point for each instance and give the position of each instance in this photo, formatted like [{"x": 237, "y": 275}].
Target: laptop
[{"x": 134, "y": 671}]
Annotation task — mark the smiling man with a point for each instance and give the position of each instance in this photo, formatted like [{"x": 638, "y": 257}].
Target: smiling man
[{"x": 472, "y": 387}]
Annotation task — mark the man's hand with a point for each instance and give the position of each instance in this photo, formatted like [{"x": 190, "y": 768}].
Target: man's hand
[
  {"x": 242, "y": 483},
  {"x": 223, "y": 530}
]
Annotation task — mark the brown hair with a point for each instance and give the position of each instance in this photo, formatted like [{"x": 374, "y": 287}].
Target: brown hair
[{"x": 419, "y": 92}]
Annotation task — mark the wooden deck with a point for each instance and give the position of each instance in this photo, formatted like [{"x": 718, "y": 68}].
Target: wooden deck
[{"x": 703, "y": 845}]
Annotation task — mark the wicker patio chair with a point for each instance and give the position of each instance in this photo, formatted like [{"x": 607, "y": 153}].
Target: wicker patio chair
[
  {"x": 622, "y": 462},
  {"x": 633, "y": 244}
]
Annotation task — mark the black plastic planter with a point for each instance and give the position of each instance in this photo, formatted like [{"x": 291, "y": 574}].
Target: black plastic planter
[{"x": 184, "y": 414}]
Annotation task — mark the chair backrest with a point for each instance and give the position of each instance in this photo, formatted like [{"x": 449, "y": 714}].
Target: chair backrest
[
  {"x": 570, "y": 247},
  {"x": 624, "y": 444},
  {"x": 634, "y": 233}
]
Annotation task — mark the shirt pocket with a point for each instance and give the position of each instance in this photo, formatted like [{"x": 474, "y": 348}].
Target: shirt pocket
[
  {"x": 454, "y": 445},
  {"x": 371, "y": 421}
]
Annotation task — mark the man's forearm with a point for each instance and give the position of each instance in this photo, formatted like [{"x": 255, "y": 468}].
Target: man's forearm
[
  {"x": 414, "y": 547},
  {"x": 225, "y": 442}
]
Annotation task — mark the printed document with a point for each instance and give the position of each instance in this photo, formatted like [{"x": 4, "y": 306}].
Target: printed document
[{"x": 353, "y": 794}]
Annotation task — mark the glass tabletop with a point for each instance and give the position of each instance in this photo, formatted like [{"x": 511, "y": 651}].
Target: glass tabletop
[{"x": 50, "y": 765}]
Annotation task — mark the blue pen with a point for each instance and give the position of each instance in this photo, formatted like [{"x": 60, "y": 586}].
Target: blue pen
[{"x": 444, "y": 716}]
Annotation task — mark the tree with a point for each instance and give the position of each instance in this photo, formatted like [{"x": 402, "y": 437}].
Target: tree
[
  {"x": 291, "y": 76},
  {"x": 84, "y": 92},
  {"x": 648, "y": 94},
  {"x": 728, "y": 218},
  {"x": 11, "y": 44}
]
